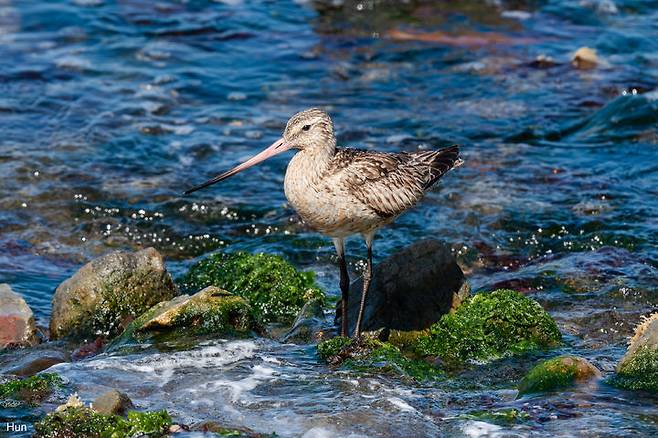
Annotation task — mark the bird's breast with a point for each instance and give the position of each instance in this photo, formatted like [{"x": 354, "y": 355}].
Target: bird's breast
[{"x": 324, "y": 202}]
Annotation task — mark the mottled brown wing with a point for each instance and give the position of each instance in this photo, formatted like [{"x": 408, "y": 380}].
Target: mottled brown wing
[{"x": 391, "y": 183}]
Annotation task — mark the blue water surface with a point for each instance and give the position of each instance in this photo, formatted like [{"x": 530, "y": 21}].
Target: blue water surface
[{"x": 110, "y": 109}]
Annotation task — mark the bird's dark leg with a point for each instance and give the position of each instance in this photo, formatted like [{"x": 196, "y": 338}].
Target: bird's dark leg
[
  {"x": 344, "y": 284},
  {"x": 367, "y": 276}
]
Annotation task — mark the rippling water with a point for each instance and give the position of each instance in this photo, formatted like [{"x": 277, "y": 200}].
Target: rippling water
[{"x": 108, "y": 110}]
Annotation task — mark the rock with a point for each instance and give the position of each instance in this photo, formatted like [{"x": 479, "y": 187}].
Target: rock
[
  {"x": 212, "y": 311},
  {"x": 75, "y": 420},
  {"x": 108, "y": 292},
  {"x": 559, "y": 372},
  {"x": 27, "y": 362},
  {"x": 410, "y": 290},
  {"x": 309, "y": 324},
  {"x": 638, "y": 369},
  {"x": 233, "y": 432},
  {"x": 112, "y": 402},
  {"x": 584, "y": 58},
  {"x": 274, "y": 288},
  {"x": 374, "y": 356},
  {"x": 89, "y": 349},
  {"x": 488, "y": 326},
  {"x": 17, "y": 326},
  {"x": 30, "y": 390}
]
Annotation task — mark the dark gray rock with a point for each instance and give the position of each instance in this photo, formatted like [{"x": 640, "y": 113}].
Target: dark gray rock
[
  {"x": 17, "y": 326},
  {"x": 410, "y": 290},
  {"x": 109, "y": 292}
]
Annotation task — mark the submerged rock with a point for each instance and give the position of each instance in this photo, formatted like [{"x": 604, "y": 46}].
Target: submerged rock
[
  {"x": 210, "y": 311},
  {"x": 410, "y": 290},
  {"x": 27, "y": 362},
  {"x": 489, "y": 326},
  {"x": 17, "y": 326},
  {"x": 108, "y": 292},
  {"x": 274, "y": 288},
  {"x": 309, "y": 324},
  {"x": 638, "y": 369},
  {"x": 584, "y": 58},
  {"x": 112, "y": 402},
  {"x": 30, "y": 390},
  {"x": 556, "y": 373},
  {"x": 372, "y": 355},
  {"x": 79, "y": 421}
]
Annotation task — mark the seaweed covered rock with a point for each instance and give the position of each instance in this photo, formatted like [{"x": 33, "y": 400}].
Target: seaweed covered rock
[
  {"x": 556, "y": 373},
  {"x": 79, "y": 421},
  {"x": 108, "y": 292},
  {"x": 638, "y": 369},
  {"x": 489, "y": 326},
  {"x": 30, "y": 390},
  {"x": 410, "y": 290},
  {"x": 274, "y": 288},
  {"x": 371, "y": 355},
  {"x": 17, "y": 326},
  {"x": 212, "y": 311}
]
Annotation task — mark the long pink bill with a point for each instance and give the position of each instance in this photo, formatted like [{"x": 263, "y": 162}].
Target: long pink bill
[{"x": 274, "y": 149}]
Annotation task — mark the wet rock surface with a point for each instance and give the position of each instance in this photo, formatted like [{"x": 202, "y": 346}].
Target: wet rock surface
[
  {"x": 17, "y": 327},
  {"x": 28, "y": 362},
  {"x": 557, "y": 373},
  {"x": 112, "y": 402},
  {"x": 108, "y": 292},
  {"x": 309, "y": 324},
  {"x": 410, "y": 290},
  {"x": 638, "y": 369},
  {"x": 212, "y": 311}
]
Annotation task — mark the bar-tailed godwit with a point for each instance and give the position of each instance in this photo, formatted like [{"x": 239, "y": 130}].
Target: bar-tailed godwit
[{"x": 340, "y": 191}]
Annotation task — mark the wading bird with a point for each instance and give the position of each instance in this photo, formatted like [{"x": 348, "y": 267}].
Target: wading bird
[{"x": 340, "y": 191}]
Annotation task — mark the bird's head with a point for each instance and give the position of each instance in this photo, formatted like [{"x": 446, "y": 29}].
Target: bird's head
[{"x": 309, "y": 130}]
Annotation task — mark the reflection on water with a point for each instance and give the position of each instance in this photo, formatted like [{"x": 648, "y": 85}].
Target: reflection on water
[{"x": 108, "y": 110}]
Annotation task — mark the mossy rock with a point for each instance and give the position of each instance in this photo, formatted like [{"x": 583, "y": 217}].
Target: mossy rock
[
  {"x": 274, "y": 288},
  {"x": 212, "y": 311},
  {"x": 638, "y": 369},
  {"x": 79, "y": 421},
  {"x": 489, "y": 326},
  {"x": 559, "y": 372},
  {"x": 503, "y": 417},
  {"x": 109, "y": 292},
  {"x": 371, "y": 355},
  {"x": 30, "y": 390}
]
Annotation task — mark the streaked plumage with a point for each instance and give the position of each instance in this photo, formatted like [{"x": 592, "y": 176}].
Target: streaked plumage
[{"x": 343, "y": 191}]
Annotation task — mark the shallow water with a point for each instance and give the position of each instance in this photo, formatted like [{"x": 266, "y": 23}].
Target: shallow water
[{"x": 108, "y": 110}]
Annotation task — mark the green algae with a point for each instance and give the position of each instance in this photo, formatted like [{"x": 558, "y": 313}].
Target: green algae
[
  {"x": 558, "y": 372},
  {"x": 84, "y": 422},
  {"x": 639, "y": 373},
  {"x": 372, "y": 355},
  {"x": 488, "y": 326},
  {"x": 273, "y": 287},
  {"x": 501, "y": 417},
  {"x": 332, "y": 347},
  {"x": 30, "y": 390}
]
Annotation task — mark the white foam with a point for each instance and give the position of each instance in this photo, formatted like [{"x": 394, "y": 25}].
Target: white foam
[
  {"x": 239, "y": 387},
  {"x": 476, "y": 429},
  {"x": 401, "y": 404}
]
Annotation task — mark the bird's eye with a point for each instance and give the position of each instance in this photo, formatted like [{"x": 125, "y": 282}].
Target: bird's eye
[{"x": 306, "y": 127}]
